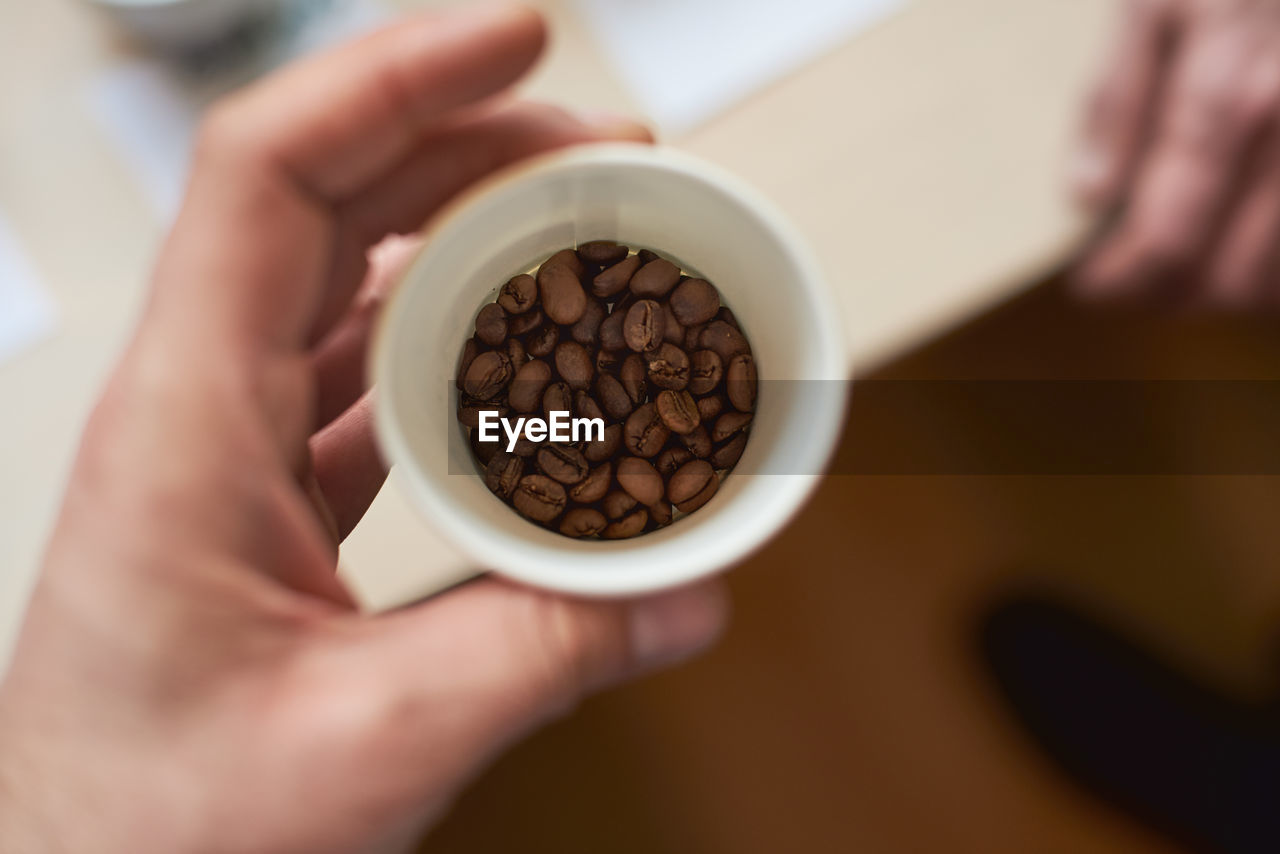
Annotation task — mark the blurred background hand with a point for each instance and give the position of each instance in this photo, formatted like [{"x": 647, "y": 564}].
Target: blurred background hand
[
  {"x": 191, "y": 674},
  {"x": 1181, "y": 142}
]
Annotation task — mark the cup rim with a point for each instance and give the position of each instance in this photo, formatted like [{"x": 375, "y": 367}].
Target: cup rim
[{"x": 492, "y": 549}]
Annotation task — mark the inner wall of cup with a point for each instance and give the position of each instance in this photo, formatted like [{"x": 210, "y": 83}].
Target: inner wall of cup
[{"x": 692, "y": 222}]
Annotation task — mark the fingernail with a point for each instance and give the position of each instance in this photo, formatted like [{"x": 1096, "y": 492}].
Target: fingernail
[
  {"x": 675, "y": 626},
  {"x": 615, "y": 125}
]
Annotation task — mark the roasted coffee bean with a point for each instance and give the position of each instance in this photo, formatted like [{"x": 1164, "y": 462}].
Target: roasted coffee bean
[
  {"x": 671, "y": 459},
  {"x": 672, "y": 331},
  {"x": 626, "y": 527},
  {"x": 582, "y": 522},
  {"x": 587, "y": 330},
  {"x": 633, "y": 375},
  {"x": 740, "y": 382},
  {"x": 604, "y": 449},
  {"x": 639, "y": 479},
  {"x": 565, "y": 464},
  {"x": 615, "y": 279},
  {"x": 585, "y": 406},
  {"x": 567, "y": 258},
  {"x": 647, "y": 256},
  {"x": 693, "y": 338},
  {"x": 613, "y": 398},
  {"x": 669, "y": 367},
  {"x": 519, "y": 294},
  {"x": 724, "y": 314},
  {"x": 484, "y": 451},
  {"x": 660, "y": 513},
  {"x": 488, "y": 374},
  {"x": 469, "y": 409},
  {"x": 539, "y": 498},
  {"x": 698, "y": 441},
  {"x": 602, "y": 252},
  {"x": 678, "y": 411},
  {"x": 563, "y": 298},
  {"x": 692, "y": 485},
  {"x": 528, "y": 385},
  {"x": 574, "y": 364},
  {"x": 611, "y": 337},
  {"x": 643, "y": 326},
  {"x": 522, "y": 323},
  {"x": 524, "y": 447},
  {"x": 607, "y": 361},
  {"x": 726, "y": 341},
  {"x": 695, "y": 301},
  {"x": 558, "y": 397},
  {"x": 617, "y": 504},
  {"x": 594, "y": 486},
  {"x": 705, "y": 371},
  {"x": 728, "y": 424},
  {"x": 710, "y": 406},
  {"x": 644, "y": 434},
  {"x": 542, "y": 341},
  {"x": 516, "y": 353},
  {"x": 655, "y": 279},
  {"x": 469, "y": 352},
  {"x": 726, "y": 456},
  {"x": 502, "y": 474},
  {"x": 491, "y": 325}
]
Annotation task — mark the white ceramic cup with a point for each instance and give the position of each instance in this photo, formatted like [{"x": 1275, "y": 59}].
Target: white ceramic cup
[
  {"x": 703, "y": 219},
  {"x": 183, "y": 24}
]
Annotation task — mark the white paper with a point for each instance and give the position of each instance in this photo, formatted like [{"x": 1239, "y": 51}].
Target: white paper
[
  {"x": 26, "y": 310},
  {"x": 686, "y": 60},
  {"x": 149, "y": 106}
]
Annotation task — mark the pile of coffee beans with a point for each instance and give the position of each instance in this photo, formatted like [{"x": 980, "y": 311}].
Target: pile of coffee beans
[{"x": 604, "y": 333}]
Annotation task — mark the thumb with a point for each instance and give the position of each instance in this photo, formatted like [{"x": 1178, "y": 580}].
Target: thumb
[{"x": 487, "y": 663}]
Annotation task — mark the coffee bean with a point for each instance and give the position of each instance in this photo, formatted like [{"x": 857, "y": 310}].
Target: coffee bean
[
  {"x": 644, "y": 433},
  {"x": 626, "y": 527},
  {"x": 695, "y": 301},
  {"x": 594, "y": 486},
  {"x": 469, "y": 409},
  {"x": 740, "y": 382},
  {"x": 640, "y": 480},
  {"x": 710, "y": 406},
  {"x": 524, "y": 447},
  {"x": 528, "y": 386},
  {"x": 726, "y": 341},
  {"x": 669, "y": 367},
  {"x": 697, "y": 441},
  {"x": 539, "y": 498},
  {"x": 725, "y": 315},
  {"x": 519, "y": 294},
  {"x": 617, "y": 504},
  {"x": 728, "y": 424},
  {"x": 469, "y": 352},
  {"x": 604, "y": 449},
  {"x": 647, "y": 255},
  {"x": 672, "y": 331},
  {"x": 615, "y": 279},
  {"x": 484, "y": 451},
  {"x": 585, "y": 406},
  {"x": 602, "y": 252},
  {"x": 516, "y": 353},
  {"x": 522, "y": 323},
  {"x": 693, "y": 338},
  {"x": 633, "y": 375},
  {"x": 503, "y": 473},
  {"x": 642, "y": 329},
  {"x": 705, "y": 371},
  {"x": 487, "y": 375},
  {"x": 575, "y": 365},
  {"x": 607, "y": 362},
  {"x": 678, "y": 411},
  {"x": 655, "y": 279},
  {"x": 582, "y": 522},
  {"x": 563, "y": 298},
  {"x": 660, "y": 513},
  {"x": 671, "y": 459},
  {"x": 566, "y": 258},
  {"x": 613, "y": 398},
  {"x": 587, "y": 330},
  {"x": 557, "y": 397},
  {"x": 692, "y": 485},
  {"x": 726, "y": 456},
  {"x": 565, "y": 464},
  {"x": 611, "y": 337},
  {"x": 543, "y": 340}
]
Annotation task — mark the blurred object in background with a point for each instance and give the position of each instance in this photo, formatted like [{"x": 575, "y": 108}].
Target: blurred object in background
[
  {"x": 182, "y": 25},
  {"x": 26, "y": 310},
  {"x": 686, "y": 60}
]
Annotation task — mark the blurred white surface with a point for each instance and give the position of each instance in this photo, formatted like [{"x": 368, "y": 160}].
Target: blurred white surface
[
  {"x": 26, "y": 310},
  {"x": 687, "y": 60}
]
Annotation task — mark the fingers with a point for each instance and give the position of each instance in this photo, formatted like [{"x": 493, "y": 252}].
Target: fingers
[
  {"x": 1243, "y": 271},
  {"x": 1219, "y": 102},
  {"x": 1121, "y": 108},
  {"x": 490, "y": 661},
  {"x": 348, "y": 469}
]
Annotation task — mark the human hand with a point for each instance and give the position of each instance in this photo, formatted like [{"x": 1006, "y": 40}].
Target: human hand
[
  {"x": 1182, "y": 139},
  {"x": 191, "y": 675}
]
